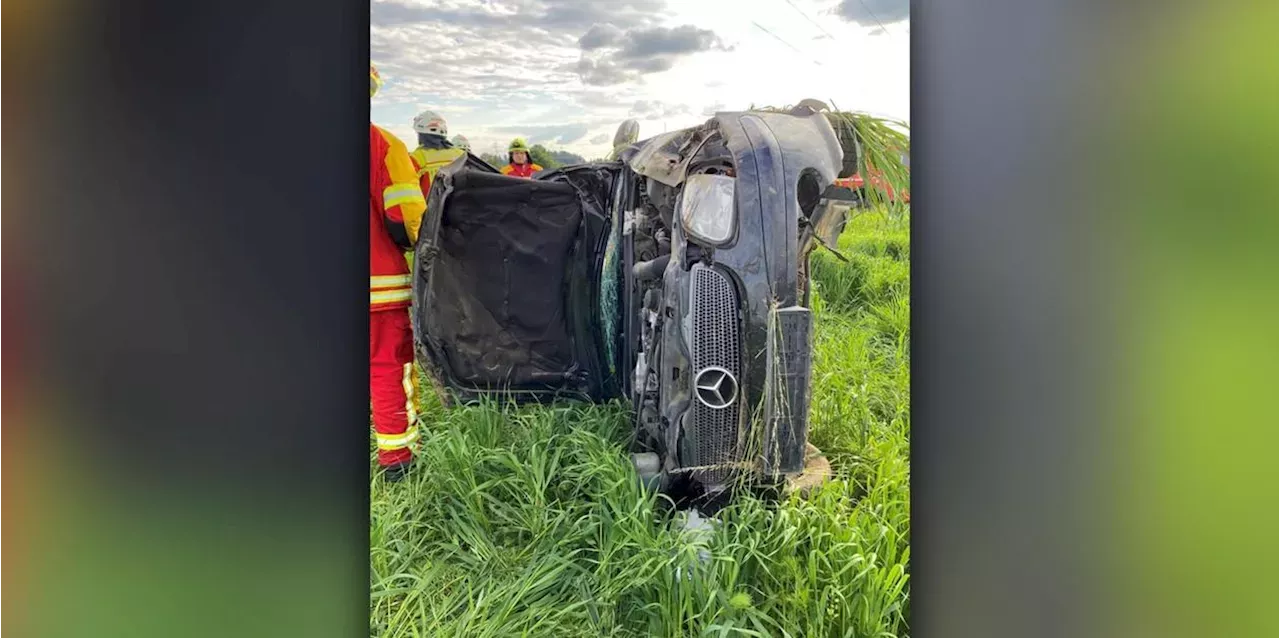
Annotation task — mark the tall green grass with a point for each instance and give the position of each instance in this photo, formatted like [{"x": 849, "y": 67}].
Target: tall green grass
[{"x": 531, "y": 522}]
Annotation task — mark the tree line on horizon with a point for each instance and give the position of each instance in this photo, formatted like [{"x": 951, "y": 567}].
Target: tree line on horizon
[{"x": 541, "y": 155}]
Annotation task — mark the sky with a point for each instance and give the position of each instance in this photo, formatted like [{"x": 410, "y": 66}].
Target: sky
[{"x": 565, "y": 73}]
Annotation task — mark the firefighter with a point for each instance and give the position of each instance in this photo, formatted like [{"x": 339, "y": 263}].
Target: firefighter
[
  {"x": 396, "y": 206},
  {"x": 520, "y": 164},
  {"x": 434, "y": 149},
  {"x": 460, "y": 141}
]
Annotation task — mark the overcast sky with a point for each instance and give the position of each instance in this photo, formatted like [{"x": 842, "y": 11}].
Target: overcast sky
[{"x": 565, "y": 73}]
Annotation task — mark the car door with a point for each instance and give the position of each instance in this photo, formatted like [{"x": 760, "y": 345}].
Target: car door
[{"x": 506, "y": 282}]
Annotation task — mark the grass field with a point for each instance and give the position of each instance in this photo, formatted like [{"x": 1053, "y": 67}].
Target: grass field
[{"x": 530, "y": 522}]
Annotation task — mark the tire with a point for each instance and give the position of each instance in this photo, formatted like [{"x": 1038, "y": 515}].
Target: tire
[{"x": 849, "y": 143}]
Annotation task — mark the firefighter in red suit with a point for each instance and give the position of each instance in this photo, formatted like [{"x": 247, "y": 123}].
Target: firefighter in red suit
[
  {"x": 519, "y": 163},
  {"x": 396, "y": 206}
]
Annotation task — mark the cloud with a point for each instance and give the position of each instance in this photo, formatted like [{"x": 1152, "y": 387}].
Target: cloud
[
  {"x": 712, "y": 109},
  {"x": 654, "y": 110},
  {"x": 395, "y": 14},
  {"x": 578, "y": 16},
  {"x": 606, "y": 99},
  {"x": 655, "y": 64},
  {"x": 569, "y": 69},
  {"x": 681, "y": 40},
  {"x": 548, "y": 133},
  {"x": 599, "y": 36},
  {"x": 616, "y": 56},
  {"x": 472, "y": 63},
  {"x": 553, "y": 16},
  {"x": 878, "y": 31},
  {"x": 458, "y": 52},
  {"x": 644, "y": 107},
  {"x": 601, "y": 72},
  {"x": 680, "y": 109},
  {"x": 428, "y": 63},
  {"x": 874, "y": 12}
]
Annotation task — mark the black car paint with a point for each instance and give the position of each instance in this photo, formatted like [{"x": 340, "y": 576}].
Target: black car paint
[
  {"x": 584, "y": 379},
  {"x": 770, "y": 151}
]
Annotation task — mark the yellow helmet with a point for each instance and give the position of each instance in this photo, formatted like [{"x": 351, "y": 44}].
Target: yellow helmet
[
  {"x": 375, "y": 80},
  {"x": 518, "y": 144}
]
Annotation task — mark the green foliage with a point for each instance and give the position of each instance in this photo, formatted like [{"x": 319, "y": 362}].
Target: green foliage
[
  {"x": 878, "y": 267},
  {"x": 862, "y": 379},
  {"x": 531, "y": 521},
  {"x": 494, "y": 160},
  {"x": 539, "y": 155},
  {"x": 882, "y": 143},
  {"x": 567, "y": 158}
]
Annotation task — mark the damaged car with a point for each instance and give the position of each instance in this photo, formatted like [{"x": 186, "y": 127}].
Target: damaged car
[{"x": 674, "y": 278}]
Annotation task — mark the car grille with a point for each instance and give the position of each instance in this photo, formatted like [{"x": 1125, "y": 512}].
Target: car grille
[{"x": 716, "y": 341}]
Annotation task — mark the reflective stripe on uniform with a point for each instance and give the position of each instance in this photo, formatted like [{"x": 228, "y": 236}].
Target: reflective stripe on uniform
[
  {"x": 411, "y": 415},
  {"x": 397, "y": 441},
  {"x": 389, "y": 281},
  {"x": 400, "y": 194},
  {"x": 432, "y": 167},
  {"x": 431, "y": 160},
  {"x": 389, "y": 296}
]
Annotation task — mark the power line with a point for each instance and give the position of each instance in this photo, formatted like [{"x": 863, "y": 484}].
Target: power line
[
  {"x": 873, "y": 16},
  {"x": 789, "y": 45},
  {"x": 811, "y": 20}
]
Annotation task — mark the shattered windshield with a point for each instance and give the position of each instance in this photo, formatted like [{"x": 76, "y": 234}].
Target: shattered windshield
[{"x": 610, "y": 285}]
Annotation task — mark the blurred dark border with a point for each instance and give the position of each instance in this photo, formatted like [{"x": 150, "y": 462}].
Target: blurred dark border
[
  {"x": 995, "y": 425},
  {"x": 185, "y": 270},
  {"x": 191, "y": 247}
]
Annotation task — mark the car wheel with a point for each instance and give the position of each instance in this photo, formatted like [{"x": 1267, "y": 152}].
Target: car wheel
[{"x": 849, "y": 143}]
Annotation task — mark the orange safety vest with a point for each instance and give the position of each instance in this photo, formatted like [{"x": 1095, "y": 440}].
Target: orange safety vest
[{"x": 521, "y": 170}]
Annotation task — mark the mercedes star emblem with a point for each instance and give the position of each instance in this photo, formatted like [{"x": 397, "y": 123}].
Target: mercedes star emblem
[{"x": 716, "y": 388}]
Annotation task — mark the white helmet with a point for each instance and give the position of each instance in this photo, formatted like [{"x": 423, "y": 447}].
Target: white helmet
[
  {"x": 430, "y": 122},
  {"x": 460, "y": 141}
]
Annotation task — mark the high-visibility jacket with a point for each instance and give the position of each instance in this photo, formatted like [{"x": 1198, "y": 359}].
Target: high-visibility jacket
[
  {"x": 396, "y": 206},
  {"x": 521, "y": 170},
  {"x": 426, "y": 161}
]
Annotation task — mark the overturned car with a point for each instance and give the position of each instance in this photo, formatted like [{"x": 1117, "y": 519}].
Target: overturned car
[{"x": 675, "y": 278}]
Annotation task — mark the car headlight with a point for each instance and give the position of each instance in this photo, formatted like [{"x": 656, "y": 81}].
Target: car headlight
[{"x": 707, "y": 210}]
